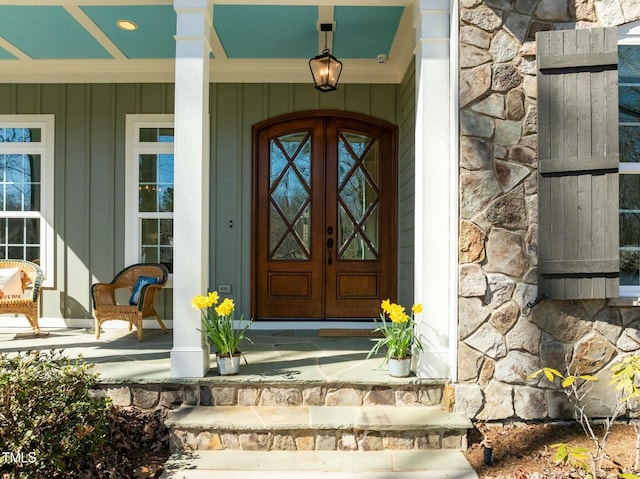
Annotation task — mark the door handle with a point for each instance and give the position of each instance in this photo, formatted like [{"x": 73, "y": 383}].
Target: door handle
[{"x": 329, "y": 247}]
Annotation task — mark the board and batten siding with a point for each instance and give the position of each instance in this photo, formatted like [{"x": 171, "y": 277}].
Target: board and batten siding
[
  {"x": 406, "y": 187},
  {"x": 578, "y": 163},
  {"x": 90, "y": 172}
]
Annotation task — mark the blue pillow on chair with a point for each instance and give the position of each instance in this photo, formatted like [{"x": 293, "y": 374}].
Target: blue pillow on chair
[{"x": 141, "y": 283}]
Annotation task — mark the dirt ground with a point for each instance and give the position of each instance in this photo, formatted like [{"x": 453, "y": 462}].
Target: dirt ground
[{"x": 523, "y": 451}]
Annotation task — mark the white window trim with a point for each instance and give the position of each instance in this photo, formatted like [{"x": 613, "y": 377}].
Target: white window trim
[
  {"x": 134, "y": 147},
  {"x": 629, "y": 35},
  {"x": 46, "y": 149}
]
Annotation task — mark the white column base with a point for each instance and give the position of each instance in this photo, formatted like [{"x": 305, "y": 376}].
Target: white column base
[{"x": 189, "y": 362}]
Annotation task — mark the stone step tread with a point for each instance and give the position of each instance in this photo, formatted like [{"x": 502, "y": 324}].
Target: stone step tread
[
  {"x": 316, "y": 417},
  {"x": 319, "y": 464}
]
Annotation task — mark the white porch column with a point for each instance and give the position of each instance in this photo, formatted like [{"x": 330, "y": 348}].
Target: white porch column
[
  {"x": 190, "y": 353},
  {"x": 436, "y": 207}
]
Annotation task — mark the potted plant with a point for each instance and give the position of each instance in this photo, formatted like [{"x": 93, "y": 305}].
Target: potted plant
[
  {"x": 398, "y": 336},
  {"x": 222, "y": 330}
]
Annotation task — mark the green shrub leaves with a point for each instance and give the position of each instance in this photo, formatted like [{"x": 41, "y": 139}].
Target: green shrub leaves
[{"x": 49, "y": 423}]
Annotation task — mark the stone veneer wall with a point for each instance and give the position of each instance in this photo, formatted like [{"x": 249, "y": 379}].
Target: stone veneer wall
[{"x": 501, "y": 340}]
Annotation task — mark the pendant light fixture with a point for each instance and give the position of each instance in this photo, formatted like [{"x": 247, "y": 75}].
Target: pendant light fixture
[{"x": 325, "y": 68}]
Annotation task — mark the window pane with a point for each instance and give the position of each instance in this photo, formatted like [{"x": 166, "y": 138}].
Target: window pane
[
  {"x": 14, "y": 252},
  {"x": 166, "y": 232},
  {"x": 629, "y": 103},
  {"x": 14, "y": 198},
  {"x": 156, "y": 135},
  {"x": 20, "y": 238},
  {"x": 32, "y": 230},
  {"x": 157, "y": 241},
  {"x": 165, "y": 183},
  {"x": 290, "y": 197},
  {"x": 166, "y": 258},
  {"x": 629, "y": 230},
  {"x": 15, "y": 230},
  {"x": 147, "y": 198},
  {"x": 20, "y": 135},
  {"x": 149, "y": 255},
  {"x": 147, "y": 169},
  {"x": 20, "y": 182},
  {"x": 628, "y": 64},
  {"x": 629, "y": 144},
  {"x": 166, "y": 198},
  {"x": 32, "y": 253},
  {"x": 149, "y": 232},
  {"x": 165, "y": 135},
  {"x": 148, "y": 135},
  {"x": 156, "y": 183}
]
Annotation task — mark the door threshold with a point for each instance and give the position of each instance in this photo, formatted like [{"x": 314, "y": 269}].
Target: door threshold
[
  {"x": 312, "y": 325},
  {"x": 348, "y": 333}
]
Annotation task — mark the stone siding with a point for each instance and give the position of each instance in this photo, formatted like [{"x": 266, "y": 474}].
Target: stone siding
[
  {"x": 171, "y": 396},
  {"x": 501, "y": 339},
  {"x": 349, "y": 439}
]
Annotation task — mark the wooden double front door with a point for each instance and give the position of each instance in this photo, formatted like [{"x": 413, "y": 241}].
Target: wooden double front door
[{"x": 324, "y": 216}]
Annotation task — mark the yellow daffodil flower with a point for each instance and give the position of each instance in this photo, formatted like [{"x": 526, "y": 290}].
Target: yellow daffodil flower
[
  {"x": 212, "y": 298},
  {"x": 225, "y": 308},
  {"x": 386, "y": 306},
  {"x": 417, "y": 308},
  {"x": 199, "y": 302}
]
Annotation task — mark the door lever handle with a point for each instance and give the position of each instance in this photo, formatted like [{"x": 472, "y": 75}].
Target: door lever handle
[{"x": 329, "y": 247}]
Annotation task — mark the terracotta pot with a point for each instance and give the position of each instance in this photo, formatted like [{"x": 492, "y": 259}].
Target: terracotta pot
[
  {"x": 399, "y": 367},
  {"x": 228, "y": 366}
]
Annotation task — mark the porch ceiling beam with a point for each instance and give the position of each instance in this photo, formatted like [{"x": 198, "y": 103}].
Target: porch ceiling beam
[
  {"x": 15, "y": 51},
  {"x": 83, "y": 19},
  {"x": 162, "y": 71},
  {"x": 216, "y": 45}
]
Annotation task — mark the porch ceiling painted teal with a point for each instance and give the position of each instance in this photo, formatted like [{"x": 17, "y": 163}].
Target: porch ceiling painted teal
[
  {"x": 152, "y": 39},
  {"x": 251, "y": 41},
  {"x": 44, "y": 32}
]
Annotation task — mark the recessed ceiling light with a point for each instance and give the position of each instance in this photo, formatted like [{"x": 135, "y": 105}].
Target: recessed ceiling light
[{"x": 127, "y": 25}]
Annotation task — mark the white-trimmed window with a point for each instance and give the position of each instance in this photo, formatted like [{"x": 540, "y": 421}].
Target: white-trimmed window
[
  {"x": 149, "y": 189},
  {"x": 26, "y": 190},
  {"x": 629, "y": 179}
]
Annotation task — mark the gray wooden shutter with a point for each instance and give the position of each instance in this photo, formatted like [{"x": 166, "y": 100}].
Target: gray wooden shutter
[{"x": 578, "y": 255}]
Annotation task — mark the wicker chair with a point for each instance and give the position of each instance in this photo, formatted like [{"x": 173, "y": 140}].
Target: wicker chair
[
  {"x": 106, "y": 308},
  {"x": 28, "y": 305}
]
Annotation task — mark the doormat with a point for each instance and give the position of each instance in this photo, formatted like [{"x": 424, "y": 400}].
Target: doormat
[{"x": 347, "y": 333}]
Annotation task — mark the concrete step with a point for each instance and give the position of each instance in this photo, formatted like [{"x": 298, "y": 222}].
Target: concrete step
[
  {"x": 414, "y": 464},
  {"x": 306, "y": 428}
]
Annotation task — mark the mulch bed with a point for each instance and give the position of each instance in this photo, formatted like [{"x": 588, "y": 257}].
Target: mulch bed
[{"x": 523, "y": 451}]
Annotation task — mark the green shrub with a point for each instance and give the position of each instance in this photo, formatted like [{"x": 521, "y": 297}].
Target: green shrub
[{"x": 50, "y": 426}]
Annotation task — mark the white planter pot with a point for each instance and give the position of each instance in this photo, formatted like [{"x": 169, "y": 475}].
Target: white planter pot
[
  {"x": 228, "y": 366},
  {"x": 399, "y": 368}
]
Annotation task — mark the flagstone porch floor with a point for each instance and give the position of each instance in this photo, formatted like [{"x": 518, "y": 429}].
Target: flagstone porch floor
[{"x": 295, "y": 355}]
